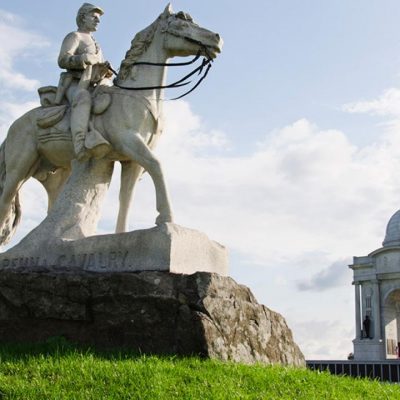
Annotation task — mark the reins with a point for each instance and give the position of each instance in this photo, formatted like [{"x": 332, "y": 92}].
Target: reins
[{"x": 201, "y": 70}]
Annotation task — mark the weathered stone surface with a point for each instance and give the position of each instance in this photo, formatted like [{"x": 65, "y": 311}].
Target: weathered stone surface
[
  {"x": 153, "y": 312},
  {"x": 168, "y": 247}
]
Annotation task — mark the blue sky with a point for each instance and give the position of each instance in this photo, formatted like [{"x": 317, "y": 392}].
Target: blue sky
[{"x": 288, "y": 153}]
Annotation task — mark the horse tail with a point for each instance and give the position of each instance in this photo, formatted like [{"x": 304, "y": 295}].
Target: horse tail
[{"x": 13, "y": 216}]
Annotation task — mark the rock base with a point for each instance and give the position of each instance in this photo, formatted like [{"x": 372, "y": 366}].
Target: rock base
[{"x": 202, "y": 314}]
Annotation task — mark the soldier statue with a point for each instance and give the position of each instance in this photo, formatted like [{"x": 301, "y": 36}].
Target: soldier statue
[{"x": 83, "y": 60}]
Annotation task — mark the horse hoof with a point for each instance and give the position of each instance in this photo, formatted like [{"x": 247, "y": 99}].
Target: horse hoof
[{"x": 163, "y": 219}]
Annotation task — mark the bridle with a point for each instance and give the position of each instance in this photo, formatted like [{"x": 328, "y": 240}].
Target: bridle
[{"x": 202, "y": 70}]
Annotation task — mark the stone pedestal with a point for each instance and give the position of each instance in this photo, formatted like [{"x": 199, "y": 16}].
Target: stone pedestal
[
  {"x": 369, "y": 350},
  {"x": 168, "y": 247},
  {"x": 151, "y": 312}
]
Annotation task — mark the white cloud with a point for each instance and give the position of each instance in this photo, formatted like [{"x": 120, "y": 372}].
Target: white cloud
[
  {"x": 325, "y": 339},
  {"x": 302, "y": 190},
  {"x": 388, "y": 104},
  {"x": 185, "y": 132},
  {"x": 337, "y": 274},
  {"x": 19, "y": 42}
]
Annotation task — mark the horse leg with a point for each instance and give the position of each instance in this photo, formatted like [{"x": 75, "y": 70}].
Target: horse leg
[
  {"x": 130, "y": 173},
  {"x": 15, "y": 177},
  {"x": 133, "y": 146},
  {"x": 18, "y": 167}
]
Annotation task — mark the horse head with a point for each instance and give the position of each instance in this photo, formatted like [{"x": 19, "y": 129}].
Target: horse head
[
  {"x": 171, "y": 34},
  {"x": 184, "y": 37}
]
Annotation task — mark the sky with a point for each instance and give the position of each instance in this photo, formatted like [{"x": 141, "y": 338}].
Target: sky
[{"x": 288, "y": 154}]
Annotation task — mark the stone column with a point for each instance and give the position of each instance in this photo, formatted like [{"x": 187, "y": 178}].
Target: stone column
[
  {"x": 76, "y": 211},
  {"x": 358, "y": 315},
  {"x": 377, "y": 310}
]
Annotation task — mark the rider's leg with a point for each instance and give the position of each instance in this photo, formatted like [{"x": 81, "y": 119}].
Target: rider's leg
[{"x": 80, "y": 114}]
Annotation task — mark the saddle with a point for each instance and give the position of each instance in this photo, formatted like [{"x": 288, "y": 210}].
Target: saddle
[{"x": 53, "y": 120}]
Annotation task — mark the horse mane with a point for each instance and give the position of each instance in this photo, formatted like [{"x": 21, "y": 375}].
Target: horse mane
[{"x": 139, "y": 45}]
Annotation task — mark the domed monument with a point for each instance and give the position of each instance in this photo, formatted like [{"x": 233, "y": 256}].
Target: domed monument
[{"x": 376, "y": 278}]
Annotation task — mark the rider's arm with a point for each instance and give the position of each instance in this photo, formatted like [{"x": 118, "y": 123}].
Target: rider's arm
[{"x": 67, "y": 58}]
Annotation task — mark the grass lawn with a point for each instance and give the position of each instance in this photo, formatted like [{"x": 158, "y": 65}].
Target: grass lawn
[{"x": 59, "y": 370}]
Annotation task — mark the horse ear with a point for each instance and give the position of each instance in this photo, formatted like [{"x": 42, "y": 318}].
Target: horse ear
[{"x": 168, "y": 10}]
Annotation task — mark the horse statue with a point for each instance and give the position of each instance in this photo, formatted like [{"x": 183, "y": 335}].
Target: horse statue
[{"x": 130, "y": 120}]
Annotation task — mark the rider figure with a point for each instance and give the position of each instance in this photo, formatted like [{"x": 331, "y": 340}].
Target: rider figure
[{"x": 82, "y": 57}]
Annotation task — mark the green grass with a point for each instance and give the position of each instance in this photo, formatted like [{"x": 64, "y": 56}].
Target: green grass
[{"x": 58, "y": 370}]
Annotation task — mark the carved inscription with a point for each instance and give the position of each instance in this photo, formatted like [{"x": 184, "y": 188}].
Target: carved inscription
[
  {"x": 22, "y": 262},
  {"x": 100, "y": 260}
]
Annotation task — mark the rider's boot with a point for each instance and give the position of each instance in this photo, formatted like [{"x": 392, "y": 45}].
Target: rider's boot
[{"x": 95, "y": 142}]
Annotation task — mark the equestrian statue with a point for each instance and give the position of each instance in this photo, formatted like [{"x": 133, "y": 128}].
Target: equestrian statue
[{"x": 90, "y": 119}]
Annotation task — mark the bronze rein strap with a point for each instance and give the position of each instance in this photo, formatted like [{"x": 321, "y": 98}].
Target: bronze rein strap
[{"x": 181, "y": 82}]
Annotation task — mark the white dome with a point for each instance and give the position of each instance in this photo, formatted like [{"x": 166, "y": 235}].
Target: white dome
[{"x": 392, "y": 237}]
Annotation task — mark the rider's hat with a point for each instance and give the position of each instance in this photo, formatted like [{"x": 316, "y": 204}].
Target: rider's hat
[{"x": 87, "y": 7}]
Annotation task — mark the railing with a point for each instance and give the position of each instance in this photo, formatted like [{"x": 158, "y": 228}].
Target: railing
[{"x": 381, "y": 370}]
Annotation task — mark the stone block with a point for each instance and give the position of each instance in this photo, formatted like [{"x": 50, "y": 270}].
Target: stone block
[{"x": 168, "y": 247}]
